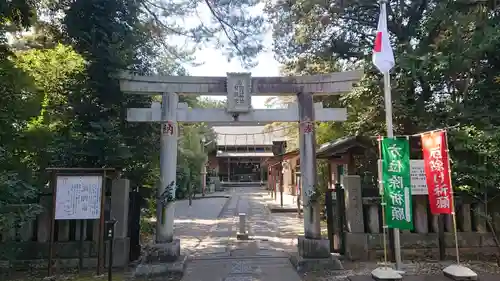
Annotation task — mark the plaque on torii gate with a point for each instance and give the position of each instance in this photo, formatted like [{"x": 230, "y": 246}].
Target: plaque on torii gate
[
  {"x": 239, "y": 99},
  {"x": 238, "y": 88}
]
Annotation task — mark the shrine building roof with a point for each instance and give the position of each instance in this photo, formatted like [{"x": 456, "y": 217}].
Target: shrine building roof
[{"x": 247, "y": 136}]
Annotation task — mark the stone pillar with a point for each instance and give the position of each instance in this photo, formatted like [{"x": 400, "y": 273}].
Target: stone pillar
[
  {"x": 311, "y": 247},
  {"x": 480, "y": 220},
  {"x": 168, "y": 164},
  {"x": 79, "y": 225},
  {"x": 43, "y": 227},
  {"x": 353, "y": 203},
  {"x": 333, "y": 173},
  {"x": 120, "y": 189},
  {"x": 496, "y": 220},
  {"x": 307, "y": 143},
  {"x": 287, "y": 176},
  {"x": 269, "y": 179},
  {"x": 276, "y": 183},
  {"x": 373, "y": 220},
  {"x": 26, "y": 231},
  {"x": 228, "y": 169},
  {"x": 203, "y": 178},
  {"x": 242, "y": 232},
  {"x": 435, "y": 223},
  {"x": 448, "y": 223},
  {"x": 466, "y": 218},
  {"x": 95, "y": 230},
  {"x": 63, "y": 230},
  {"x": 421, "y": 220}
]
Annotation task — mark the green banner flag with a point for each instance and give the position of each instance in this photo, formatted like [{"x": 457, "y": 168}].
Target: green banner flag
[{"x": 396, "y": 183}]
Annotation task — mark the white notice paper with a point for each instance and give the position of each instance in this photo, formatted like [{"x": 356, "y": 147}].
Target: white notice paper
[
  {"x": 417, "y": 173},
  {"x": 418, "y": 179},
  {"x": 78, "y": 197}
]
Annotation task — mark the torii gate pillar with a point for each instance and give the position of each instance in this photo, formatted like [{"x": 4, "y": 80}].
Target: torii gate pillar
[
  {"x": 168, "y": 166},
  {"x": 307, "y": 145},
  {"x": 239, "y": 87}
]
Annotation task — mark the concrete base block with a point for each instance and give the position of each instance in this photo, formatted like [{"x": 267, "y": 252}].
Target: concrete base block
[
  {"x": 313, "y": 248},
  {"x": 386, "y": 273},
  {"x": 459, "y": 273},
  {"x": 302, "y": 264},
  {"x": 161, "y": 269},
  {"x": 242, "y": 236},
  {"x": 165, "y": 252}
]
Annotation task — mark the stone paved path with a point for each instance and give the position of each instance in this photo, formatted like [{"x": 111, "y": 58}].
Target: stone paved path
[
  {"x": 195, "y": 225},
  {"x": 263, "y": 258},
  {"x": 208, "y": 235}
]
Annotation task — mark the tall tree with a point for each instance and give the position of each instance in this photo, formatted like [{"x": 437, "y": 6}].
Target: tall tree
[
  {"x": 54, "y": 73},
  {"x": 445, "y": 65},
  {"x": 17, "y": 106},
  {"x": 235, "y": 28}
]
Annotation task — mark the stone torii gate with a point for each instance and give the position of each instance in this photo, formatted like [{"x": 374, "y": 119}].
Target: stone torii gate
[{"x": 239, "y": 87}]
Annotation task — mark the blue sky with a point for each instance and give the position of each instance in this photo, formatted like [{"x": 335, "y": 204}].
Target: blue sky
[{"x": 216, "y": 64}]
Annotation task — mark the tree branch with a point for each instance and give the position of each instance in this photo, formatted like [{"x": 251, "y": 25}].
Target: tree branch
[{"x": 224, "y": 24}]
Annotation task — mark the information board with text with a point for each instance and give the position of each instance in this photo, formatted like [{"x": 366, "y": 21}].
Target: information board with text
[
  {"x": 417, "y": 173},
  {"x": 78, "y": 197}
]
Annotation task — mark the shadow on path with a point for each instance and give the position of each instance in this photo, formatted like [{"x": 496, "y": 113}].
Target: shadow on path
[{"x": 220, "y": 257}]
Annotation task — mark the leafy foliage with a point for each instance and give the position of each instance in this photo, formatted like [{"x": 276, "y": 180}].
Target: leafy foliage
[
  {"x": 234, "y": 27},
  {"x": 60, "y": 105},
  {"x": 445, "y": 74},
  {"x": 17, "y": 103}
]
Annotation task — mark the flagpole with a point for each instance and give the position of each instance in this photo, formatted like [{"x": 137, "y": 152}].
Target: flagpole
[
  {"x": 390, "y": 134},
  {"x": 381, "y": 191},
  {"x": 383, "y": 59},
  {"x": 453, "y": 213}
]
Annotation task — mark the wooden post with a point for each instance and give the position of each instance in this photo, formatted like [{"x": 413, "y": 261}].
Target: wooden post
[
  {"x": 282, "y": 186},
  {"x": 53, "y": 187},
  {"x": 441, "y": 237},
  {"x": 100, "y": 243},
  {"x": 339, "y": 194},
  {"x": 329, "y": 217}
]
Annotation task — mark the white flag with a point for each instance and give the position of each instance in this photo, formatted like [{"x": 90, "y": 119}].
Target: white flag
[{"x": 383, "y": 58}]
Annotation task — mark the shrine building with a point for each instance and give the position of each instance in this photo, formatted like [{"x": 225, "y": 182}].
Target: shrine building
[{"x": 241, "y": 152}]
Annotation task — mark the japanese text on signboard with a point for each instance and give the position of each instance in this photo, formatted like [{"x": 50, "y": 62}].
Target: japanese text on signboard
[
  {"x": 239, "y": 93},
  {"x": 437, "y": 172},
  {"x": 396, "y": 183},
  {"x": 78, "y": 197}
]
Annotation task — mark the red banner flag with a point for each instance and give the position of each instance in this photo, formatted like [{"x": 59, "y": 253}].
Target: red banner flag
[{"x": 437, "y": 172}]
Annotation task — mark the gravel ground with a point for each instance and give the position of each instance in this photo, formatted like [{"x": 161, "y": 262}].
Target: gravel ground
[
  {"x": 170, "y": 277},
  {"x": 291, "y": 226},
  {"x": 411, "y": 268}
]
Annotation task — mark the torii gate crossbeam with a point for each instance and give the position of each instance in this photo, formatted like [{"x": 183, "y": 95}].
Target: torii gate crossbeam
[
  {"x": 220, "y": 117},
  {"x": 239, "y": 87},
  {"x": 324, "y": 84}
]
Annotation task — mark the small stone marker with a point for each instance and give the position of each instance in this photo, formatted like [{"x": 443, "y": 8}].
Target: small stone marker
[
  {"x": 242, "y": 233},
  {"x": 459, "y": 273},
  {"x": 386, "y": 273}
]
